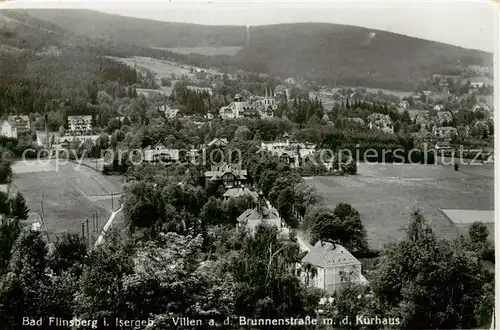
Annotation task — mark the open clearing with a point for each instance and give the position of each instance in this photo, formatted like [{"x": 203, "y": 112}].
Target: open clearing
[
  {"x": 69, "y": 194},
  {"x": 161, "y": 68},
  {"x": 207, "y": 51},
  {"x": 385, "y": 195}
]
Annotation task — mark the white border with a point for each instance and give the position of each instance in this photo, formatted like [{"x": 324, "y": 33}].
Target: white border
[{"x": 320, "y": 4}]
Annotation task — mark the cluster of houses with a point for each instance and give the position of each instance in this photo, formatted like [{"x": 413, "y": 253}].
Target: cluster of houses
[
  {"x": 378, "y": 121},
  {"x": 79, "y": 131},
  {"x": 292, "y": 153},
  {"x": 326, "y": 265},
  {"x": 254, "y": 107}
]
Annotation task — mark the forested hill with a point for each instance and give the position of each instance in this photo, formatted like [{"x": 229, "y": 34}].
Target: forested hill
[
  {"x": 327, "y": 53},
  {"x": 351, "y": 55},
  {"x": 141, "y": 32}
]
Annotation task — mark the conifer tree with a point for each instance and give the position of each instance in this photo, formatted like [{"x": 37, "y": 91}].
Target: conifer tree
[{"x": 19, "y": 209}]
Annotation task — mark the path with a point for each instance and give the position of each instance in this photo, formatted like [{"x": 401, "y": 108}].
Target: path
[{"x": 107, "y": 226}]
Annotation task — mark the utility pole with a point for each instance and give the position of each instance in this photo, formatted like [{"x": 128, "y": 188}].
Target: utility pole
[
  {"x": 83, "y": 230},
  {"x": 88, "y": 232},
  {"x": 112, "y": 205},
  {"x": 96, "y": 221}
]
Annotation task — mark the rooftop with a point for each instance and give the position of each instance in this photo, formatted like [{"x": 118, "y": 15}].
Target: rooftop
[
  {"x": 470, "y": 216},
  {"x": 325, "y": 253}
]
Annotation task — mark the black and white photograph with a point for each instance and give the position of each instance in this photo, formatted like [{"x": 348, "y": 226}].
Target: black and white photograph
[{"x": 248, "y": 165}]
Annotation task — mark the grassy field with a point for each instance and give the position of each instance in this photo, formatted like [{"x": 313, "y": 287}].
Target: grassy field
[
  {"x": 207, "y": 51},
  {"x": 161, "y": 68},
  {"x": 69, "y": 194},
  {"x": 385, "y": 195}
]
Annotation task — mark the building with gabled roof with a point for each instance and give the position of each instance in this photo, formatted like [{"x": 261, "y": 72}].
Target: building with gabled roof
[
  {"x": 262, "y": 214},
  {"x": 330, "y": 267},
  {"x": 169, "y": 112},
  {"x": 15, "y": 125},
  {"x": 160, "y": 153},
  {"x": 292, "y": 152},
  {"x": 231, "y": 175},
  {"x": 218, "y": 142}
]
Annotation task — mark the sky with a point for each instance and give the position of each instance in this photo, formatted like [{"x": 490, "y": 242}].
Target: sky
[{"x": 469, "y": 24}]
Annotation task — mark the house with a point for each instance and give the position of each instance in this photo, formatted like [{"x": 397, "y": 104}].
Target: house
[
  {"x": 404, "y": 104},
  {"x": 255, "y": 107},
  {"x": 169, "y": 112},
  {"x": 218, "y": 142},
  {"x": 423, "y": 137},
  {"x": 160, "y": 153},
  {"x": 481, "y": 106},
  {"x": 47, "y": 139},
  {"x": 234, "y": 108},
  {"x": 381, "y": 122},
  {"x": 330, "y": 267},
  {"x": 240, "y": 192},
  {"x": 262, "y": 214},
  {"x": 444, "y": 132},
  {"x": 474, "y": 87},
  {"x": 438, "y": 107},
  {"x": 230, "y": 175},
  {"x": 289, "y": 151},
  {"x": 443, "y": 146},
  {"x": 443, "y": 117},
  {"x": 79, "y": 124},
  {"x": 15, "y": 126},
  {"x": 427, "y": 93}
]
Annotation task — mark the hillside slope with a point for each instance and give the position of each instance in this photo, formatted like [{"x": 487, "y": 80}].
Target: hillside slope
[
  {"x": 350, "y": 55},
  {"x": 141, "y": 32},
  {"x": 328, "y": 53}
]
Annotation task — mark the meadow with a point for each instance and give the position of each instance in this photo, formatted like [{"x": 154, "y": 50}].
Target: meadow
[
  {"x": 207, "y": 51},
  {"x": 69, "y": 193},
  {"x": 386, "y": 194},
  {"x": 161, "y": 68}
]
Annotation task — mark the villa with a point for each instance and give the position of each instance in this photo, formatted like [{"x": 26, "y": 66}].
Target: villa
[
  {"x": 161, "y": 153},
  {"x": 292, "y": 152},
  {"x": 15, "y": 126},
  {"x": 330, "y": 267},
  {"x": 231, "y": 175}
]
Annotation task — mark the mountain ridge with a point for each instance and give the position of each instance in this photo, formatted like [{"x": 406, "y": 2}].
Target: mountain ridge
[{"x": 326, "y": 52}]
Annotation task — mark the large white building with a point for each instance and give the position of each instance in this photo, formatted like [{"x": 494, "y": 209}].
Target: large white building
[
  {"x": 15, "y": 125},
  {"x": 290, "y": 151},
  {"x": 330, "y": 267},
  {"x": 254, "y": 107},
  {"x": 160, "y": 153},
  {"x": 79, "y": 124}
]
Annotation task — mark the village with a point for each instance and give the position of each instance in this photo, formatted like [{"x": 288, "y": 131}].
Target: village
[
  {"x": 431, "y": 122},
  {"x": 323, "y": 176}
]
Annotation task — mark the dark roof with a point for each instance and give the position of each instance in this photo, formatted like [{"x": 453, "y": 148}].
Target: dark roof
[{"x": 19, "y": 121}]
